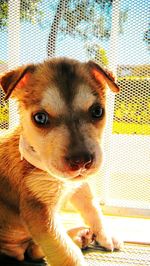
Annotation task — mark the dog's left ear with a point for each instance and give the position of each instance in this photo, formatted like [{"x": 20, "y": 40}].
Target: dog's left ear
[
  {"x": 101, "y": 75},
  {"x": 15, "y": 78}
]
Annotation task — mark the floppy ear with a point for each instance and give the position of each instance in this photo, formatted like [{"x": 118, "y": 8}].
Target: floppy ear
[
  {"x": 101, "y": 76},
  {"x": 15, "y": 78}
]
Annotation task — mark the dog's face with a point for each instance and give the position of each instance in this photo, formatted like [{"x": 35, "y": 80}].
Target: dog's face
[{"x": 62, "y": 110}]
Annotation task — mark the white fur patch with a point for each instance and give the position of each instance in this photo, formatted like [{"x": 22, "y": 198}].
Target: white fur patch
[
  {"x": 53, "y": 102},
  {"x": 83, "y": 99}
]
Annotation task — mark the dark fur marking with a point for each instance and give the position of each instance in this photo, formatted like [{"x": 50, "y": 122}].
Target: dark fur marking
[{"x": 67, "y": 78}]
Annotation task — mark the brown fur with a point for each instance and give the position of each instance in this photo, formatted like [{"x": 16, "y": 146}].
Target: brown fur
[{"x": 32, "y": 189}]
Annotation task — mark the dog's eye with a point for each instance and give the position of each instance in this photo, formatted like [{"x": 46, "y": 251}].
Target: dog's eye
[
  {"x": 41, "y": 118},
  {"x": 96, "y": 111}
]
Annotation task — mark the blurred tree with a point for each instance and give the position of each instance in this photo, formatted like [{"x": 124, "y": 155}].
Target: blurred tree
[
  {"x": 90, "y": 19},
  {"x": 28, "y": 11}
]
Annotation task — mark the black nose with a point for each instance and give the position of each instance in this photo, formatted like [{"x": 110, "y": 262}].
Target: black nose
[{"x": 81, "y": 160}]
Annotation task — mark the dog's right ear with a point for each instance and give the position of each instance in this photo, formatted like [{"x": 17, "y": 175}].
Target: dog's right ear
[
  {"x": 101, "y": 75},
  {"x": 15, "y": 78}
]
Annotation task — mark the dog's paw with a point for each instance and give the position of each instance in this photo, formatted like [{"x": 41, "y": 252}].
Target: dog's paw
[
  {"x": 108, "y": 242},
  {"x": 81, "y": 236}
]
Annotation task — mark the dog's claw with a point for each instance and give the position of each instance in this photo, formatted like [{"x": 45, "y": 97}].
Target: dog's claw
[{"x": 81, "y": 236}]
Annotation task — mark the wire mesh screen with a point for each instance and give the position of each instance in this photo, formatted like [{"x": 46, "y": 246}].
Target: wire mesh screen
[
  {"x": 132, "y": 255},
  {"x": 115, "y": 34}
]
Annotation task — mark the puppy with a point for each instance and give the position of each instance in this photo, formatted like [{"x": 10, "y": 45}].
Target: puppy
[{"x": 56, "y": 147}]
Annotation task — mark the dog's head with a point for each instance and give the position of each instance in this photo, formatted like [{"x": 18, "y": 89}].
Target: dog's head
[{"x": 62, "y": 111}]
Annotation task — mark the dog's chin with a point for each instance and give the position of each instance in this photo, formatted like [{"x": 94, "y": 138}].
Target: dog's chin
[
  {"x": 70, "y": 176},
  {"x": 67, "y": 176}
]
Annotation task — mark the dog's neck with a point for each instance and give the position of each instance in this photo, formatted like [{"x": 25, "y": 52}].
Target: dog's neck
[{"x": 29, "y": 154}]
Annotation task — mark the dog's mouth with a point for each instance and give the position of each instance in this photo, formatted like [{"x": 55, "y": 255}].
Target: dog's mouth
[
  {"x": 65, "y": 174},
  {"x": 81, "y": 174},
  {"x": 78, "y": 176}
]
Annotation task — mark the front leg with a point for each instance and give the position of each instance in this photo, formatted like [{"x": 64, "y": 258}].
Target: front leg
[
  {"x": 38, "y": 206},
  {"x": 90, "y": 211}
]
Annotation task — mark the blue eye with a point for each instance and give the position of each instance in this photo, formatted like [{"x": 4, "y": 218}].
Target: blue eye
[
  {"x": 96, "y": 111},
  {"x": 41, "y": 118}
]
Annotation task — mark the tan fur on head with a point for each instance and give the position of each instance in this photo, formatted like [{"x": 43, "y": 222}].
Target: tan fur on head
[
  {"x": 43, "y": 88},
  {"x": 62, "y": 118}
]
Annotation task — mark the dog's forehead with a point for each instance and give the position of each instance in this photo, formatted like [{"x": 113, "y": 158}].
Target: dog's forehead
[
  {"x": 53, "y": 102},
  {"x": 67, "y": 87},
  {"x": 83, "y": 98},
  {"x": 67, "y": 75}
]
